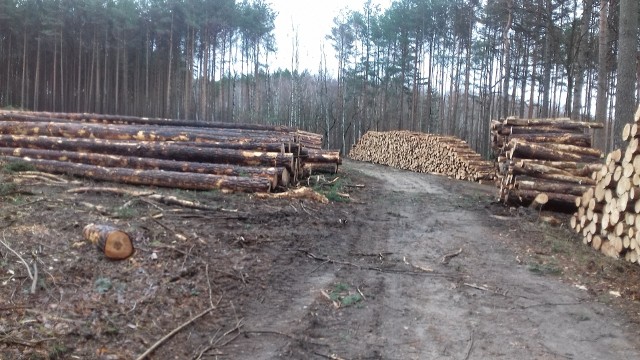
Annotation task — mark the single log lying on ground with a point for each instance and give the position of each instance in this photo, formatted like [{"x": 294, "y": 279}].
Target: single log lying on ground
[
  {"x": 277, "y": 176},
  {"x": 188, "y": 181},
  {"x": 114, "y": 243}
]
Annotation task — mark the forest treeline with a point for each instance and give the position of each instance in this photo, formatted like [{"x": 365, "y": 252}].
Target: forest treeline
[{"x": 439, "y": 66}]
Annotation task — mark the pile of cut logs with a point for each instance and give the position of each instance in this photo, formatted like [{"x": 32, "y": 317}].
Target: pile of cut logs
[
  {"x": 164, "y": 152},
  {"x": 420, "y": 152},
  {"x": 544, "y": 162},
  {"x": 608, "y": 214}
]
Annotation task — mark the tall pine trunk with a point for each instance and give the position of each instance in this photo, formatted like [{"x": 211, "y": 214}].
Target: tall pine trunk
[
  {"x": 583, "y": 53},
  {"x": 600, "y": 136},
  {"x": 627, "y": 65}
]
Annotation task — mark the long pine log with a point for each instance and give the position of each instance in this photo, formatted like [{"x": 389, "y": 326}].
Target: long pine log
[{"x": 172, "y": 179}]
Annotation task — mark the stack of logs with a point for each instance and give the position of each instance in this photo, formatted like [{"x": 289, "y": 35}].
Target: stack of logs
[
  {"x": 544, "y": 162},
  {"x": 608, "y": 214},
  {"x": 164, "y": 152},
  {"x": 420, "y": 152}
]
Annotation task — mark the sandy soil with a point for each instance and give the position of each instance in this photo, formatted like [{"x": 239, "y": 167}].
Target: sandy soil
[{"x": 414, "y": 266}]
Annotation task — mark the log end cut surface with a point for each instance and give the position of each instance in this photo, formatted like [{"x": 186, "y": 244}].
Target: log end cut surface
[{"x": 114, "y": 243}]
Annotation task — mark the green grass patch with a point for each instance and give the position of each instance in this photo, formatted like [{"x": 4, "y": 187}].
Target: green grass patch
[
  {"x": 342, "y": 294},
  {"x": 545, "y": 269},
  {"x": 333, "y": 189},
  {"x": 17, "y": 166},
  {"x": 125, "y": 213},
  {"x": 58, "y": 351},
  {"x": 7, "y": 189}
]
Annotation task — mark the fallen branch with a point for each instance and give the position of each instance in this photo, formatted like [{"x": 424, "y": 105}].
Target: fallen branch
[
  {"x": 172, "y": 200},
  {"x": 173, "y": 332},
  {"x": 18, "y": 255},
  {"x": 47, "y": 176},
  {"x": 326, "y": 295},
  {"x": 332, "y": 356},
  {"x": 392, "y": 271},
  {"x": 214, "y": 344},
  {"x": 474, "y": 286},
  {"x": 292, "y": 337},
  {"x": 447, "y": 257},
  {"x": 300, "y": 193},
  {"x": 471, "y": 341},
  {"x": 118, "y": 191},
  {"x": 174, "y": 232},
  {"x": 477, "y": 287},
  {"x": 165, "y": 199},
  {"x": 34, "y": 283}
]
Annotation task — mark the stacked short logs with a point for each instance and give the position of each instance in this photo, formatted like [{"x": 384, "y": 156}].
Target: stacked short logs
[
  {"x": 164, "y": 152},
  {"x": 420, "y": 152},
  {"x": 608, "y": 214},
  {"x": 545, "y": 162}
]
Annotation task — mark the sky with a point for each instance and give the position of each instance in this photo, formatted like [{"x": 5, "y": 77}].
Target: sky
[{"x": 312, "y": 20}]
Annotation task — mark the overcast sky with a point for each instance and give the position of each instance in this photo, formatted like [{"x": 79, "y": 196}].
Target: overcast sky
[{"x": 312, "y": 20}]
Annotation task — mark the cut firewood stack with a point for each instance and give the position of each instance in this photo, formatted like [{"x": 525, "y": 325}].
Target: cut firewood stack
[
  {"x": 165, "y": 152},
  {"x": 608, "y": 214},
  {"x": 544, "y": 162},
  {"x": 421, "y": 152}
]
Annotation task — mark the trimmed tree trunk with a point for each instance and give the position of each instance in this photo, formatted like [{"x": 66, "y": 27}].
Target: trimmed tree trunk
[
  {"x": 114, "y": 243},
  {"x": 188, "y": 181},
  {"x": 277, "y": 175},
  {"x": 165, "y": 151}
]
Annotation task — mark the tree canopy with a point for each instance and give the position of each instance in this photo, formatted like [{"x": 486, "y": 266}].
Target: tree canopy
[{"x": 440, "y": 66}]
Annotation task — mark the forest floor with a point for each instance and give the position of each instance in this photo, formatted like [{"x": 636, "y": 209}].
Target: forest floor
[{"x": 413, "y": 266}]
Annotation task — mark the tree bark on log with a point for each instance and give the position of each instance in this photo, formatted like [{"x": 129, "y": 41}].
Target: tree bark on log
[
  {"x": 539, "y": 130},
  {"x": 563, "y": 202},
  {"x": 188, "y": 181},
  {"x": 114, "y": 243},
  {"x": 138, "y": 133},
  {"x": 277, "y": 176},
  {"x": 156, "y": 150},
  {"x": 540, "y": 152},
  {"x": 134, "y": 120},
  {"x": 320, "y": 156},
  {"x": 561, "y": 123},
  {"x": 582, "y": 140},
  {"x": 551, "y": 186}
]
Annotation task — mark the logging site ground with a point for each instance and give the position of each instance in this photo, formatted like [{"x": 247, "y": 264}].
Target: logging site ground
[{"x": 408, "y": 266}]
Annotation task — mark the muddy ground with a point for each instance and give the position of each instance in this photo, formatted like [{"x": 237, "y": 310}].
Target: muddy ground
[{"x": 410, "y": 266}]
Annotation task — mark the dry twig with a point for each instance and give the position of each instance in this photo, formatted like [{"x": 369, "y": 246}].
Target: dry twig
[
  {"x": 470, "y": 347},
  {"x": 447, "y": 257},
  {"x": 423, "y": 271},
  {"x": 19, "y": 257},
  {"x": 173, "y": 332}
]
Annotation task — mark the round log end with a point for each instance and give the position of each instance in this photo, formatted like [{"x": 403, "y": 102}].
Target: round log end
[{"x": 114, "y": 243}]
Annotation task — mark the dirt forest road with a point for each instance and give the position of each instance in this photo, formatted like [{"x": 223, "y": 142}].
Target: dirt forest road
[{"x": 374, "y": 286}]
